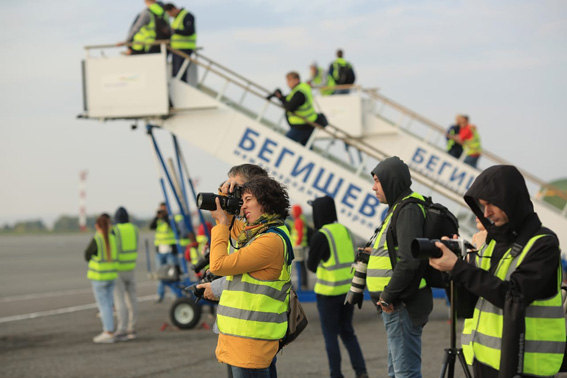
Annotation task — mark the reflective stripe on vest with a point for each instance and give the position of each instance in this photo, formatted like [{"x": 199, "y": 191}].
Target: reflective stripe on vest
[
  {"x": 127, "y": 243},
  {"x": 545, "y": 323},
  {"x": 182, "y": 42},
  {"x": 254, "y": 308},
  {"x": 473, "y": 145},
  {"x": 306, "y": 110},
  {"x": 334, "y": 275},
  {"x": 100, "y": 267},
  {"x": 164, "y": 233},
  {"x": 295, "y": 236},
  {"x": 380, "y": 270}
]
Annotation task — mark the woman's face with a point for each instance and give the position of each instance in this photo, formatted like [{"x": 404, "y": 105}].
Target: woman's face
[{"x": 250, "y": 207}]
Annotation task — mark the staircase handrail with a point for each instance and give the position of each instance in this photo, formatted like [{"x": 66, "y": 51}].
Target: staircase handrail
[{"x": 442, "y": 130}]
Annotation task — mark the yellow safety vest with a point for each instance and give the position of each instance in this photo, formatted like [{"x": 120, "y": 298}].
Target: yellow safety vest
[
  {"x": 295, "y": 236},
  {"x": 334, "y": 276},
  {"x": 545, "y": 322},
  {"x": 127, "y": 242},
  {"x": 318, "y": 81},
  {"x": 473, "y": 145},
  {"x": 164, "y": 234},
  {"x": 253, "y": 308},
  {"x": 380, "y": 269},
  {"x": 307, "y": 111},
  {"x": 147, "y": 33},
  {"x": 101, "y": 268},
  {"x": 337, "y": 64},
  {"x": 182, "y": 42}
]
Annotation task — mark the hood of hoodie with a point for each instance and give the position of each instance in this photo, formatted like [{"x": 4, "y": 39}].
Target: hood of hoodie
[
  {"x": 505, "y": 187},
  {"x": 324, "y": 211},
  {"x": 296, "y": 211},
  {"x": 121, "y": 216},
  {"x": 395, "y": 178}
]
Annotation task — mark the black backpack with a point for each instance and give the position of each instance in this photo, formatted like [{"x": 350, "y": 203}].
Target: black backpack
[
  {"x": 439, "y": 222},
  {"x": 346, "y": 75}
]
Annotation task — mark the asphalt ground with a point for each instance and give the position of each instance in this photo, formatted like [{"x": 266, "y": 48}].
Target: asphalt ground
[{"x": 48, "y": 319}]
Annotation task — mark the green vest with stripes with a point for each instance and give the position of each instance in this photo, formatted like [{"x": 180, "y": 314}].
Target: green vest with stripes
[
  {"x": 254, "y": 308},
  {"x": 182, "y": 42},
  {"x": 164, "y": 233},
  {"x": 100, "y": 267},
  {"x": 545, "y": 322},
  {"x": 306, "y": 110},
  {"x": 127, "y": 242},
  {"x": 295, "y": 236},
  {"x": 323, "y": 80},
  {"x": 380, "y": 268},
  {"x": 472, "y": 145},
  {"x": 147, "y": 33},
  {"x": 334, "y": 276}
]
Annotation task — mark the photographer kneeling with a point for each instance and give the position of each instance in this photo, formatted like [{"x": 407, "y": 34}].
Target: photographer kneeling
[
  {"x": 514, "y": 281},
  {"x": 252, "y": 313}
]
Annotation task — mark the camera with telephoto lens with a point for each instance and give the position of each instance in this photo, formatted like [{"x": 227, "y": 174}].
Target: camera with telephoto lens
[
  {"x": 202, "y": 263},
  {"x": 423, "y": 248},
  {"x": 273, "y": 94},
  {"x": 231, "y": 203},
  {"x": 355, "y": 294},
  {"x": 198, "y": 293}
]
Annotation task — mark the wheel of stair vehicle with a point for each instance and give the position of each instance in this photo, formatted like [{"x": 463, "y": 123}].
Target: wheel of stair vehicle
[{"x": 184, "y": 313}]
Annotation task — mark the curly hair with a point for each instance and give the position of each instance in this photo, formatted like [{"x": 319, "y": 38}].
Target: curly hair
[
  {"x": 270, "y": 194},
  {"x": 247, "y": 171}
]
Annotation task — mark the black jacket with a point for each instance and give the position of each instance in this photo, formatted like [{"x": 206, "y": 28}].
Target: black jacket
[
  {"x": 324, "y": 212},
  {"x": 536, "y": 277},
  {"x": 403, "y": 287}
]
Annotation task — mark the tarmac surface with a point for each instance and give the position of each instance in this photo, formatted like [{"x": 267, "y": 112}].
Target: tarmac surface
[{"x": 48, "y": 319}]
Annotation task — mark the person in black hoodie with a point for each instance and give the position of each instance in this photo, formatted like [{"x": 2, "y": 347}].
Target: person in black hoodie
[
  {"x": 331, "y": 255},
  {"x": 520, "y": 259},
  {"x": 395, "y": 282}
]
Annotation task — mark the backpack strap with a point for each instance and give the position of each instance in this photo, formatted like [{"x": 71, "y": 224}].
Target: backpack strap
[
  {"x": 391, "y": 237},
  {"x": 290, "y": 255}
]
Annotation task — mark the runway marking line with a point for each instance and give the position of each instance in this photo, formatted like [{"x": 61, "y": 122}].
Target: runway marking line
[{"x": 65, "y": 310}]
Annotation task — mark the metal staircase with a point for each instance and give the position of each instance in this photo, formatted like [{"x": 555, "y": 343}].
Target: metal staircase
[{"x": 228, "y": 116}]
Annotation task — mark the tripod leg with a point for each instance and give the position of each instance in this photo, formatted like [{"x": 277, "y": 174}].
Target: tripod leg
[
  {"x": 461, "y": 358},
  {"x": 448, "y": 362}
]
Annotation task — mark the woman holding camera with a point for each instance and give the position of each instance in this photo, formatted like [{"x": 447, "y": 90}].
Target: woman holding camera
[{"x": 252, "y": 313}]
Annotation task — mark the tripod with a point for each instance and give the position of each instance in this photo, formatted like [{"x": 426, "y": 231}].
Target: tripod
[{"x": 453, "y": 352}]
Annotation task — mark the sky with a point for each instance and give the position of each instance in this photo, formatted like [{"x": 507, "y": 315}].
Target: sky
[{"x": 502, "y": 63}]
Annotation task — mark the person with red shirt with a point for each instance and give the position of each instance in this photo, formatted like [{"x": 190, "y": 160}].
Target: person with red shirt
[{"x": 468, "y": 137}]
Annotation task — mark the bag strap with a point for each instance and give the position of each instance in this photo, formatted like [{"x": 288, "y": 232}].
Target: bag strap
[
  {"x": 290, "y": 255},
  {"x": 391, "y": 237}
]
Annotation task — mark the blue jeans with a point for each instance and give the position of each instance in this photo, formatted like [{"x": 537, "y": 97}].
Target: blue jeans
[
  {"x": 404, "y": 344},
  {"x": 161, "y": 260},
  {"x": 471, "y": 160},
  {"x": 336, "y": 320},
  {"x": 238, "y": 372},
  {"x": 103, "y": 292},
  {"x": 299, "y": 135}
]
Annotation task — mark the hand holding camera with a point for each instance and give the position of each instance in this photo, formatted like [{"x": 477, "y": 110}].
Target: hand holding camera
[{"x": 277, "y": 93}]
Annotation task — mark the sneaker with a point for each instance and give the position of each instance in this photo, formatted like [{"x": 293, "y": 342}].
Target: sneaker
[
  {"x": 131, "y": 335},
  {"x": 122, "y": 336},
  {"x": 104, "y": 338}
]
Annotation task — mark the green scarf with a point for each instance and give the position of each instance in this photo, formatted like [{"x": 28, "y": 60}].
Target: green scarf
[{"x": 261, "y": 224}]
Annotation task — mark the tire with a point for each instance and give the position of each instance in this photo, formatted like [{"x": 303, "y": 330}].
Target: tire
[{"x": 184, "y": 313}]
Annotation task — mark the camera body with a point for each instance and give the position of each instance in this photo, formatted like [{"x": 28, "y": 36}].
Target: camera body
[
  {"x": 423, "y": 248},
  {"x": 198, "y": 293},
  {"x": 231, "y": 203},
  {"x": 355, "y": 293}
]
